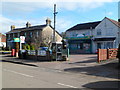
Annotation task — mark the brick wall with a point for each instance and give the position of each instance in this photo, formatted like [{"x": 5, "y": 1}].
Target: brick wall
[
  {"x": 105, "y": 54},
  {"x": 112, "y": 53},
  {"x": 3, "y": 37}
]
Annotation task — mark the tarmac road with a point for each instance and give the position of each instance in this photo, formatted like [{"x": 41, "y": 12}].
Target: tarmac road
[{"x": 23, "y": 76}]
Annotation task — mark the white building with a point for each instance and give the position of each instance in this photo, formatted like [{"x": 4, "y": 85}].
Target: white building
[{"x": 88, "y": 37}]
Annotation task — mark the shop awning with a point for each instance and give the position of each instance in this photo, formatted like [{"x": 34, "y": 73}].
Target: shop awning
[{"x": 105, "y": 39}]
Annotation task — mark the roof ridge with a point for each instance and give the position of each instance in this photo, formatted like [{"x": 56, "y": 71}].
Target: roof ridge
[
  {"x": 114, "y": 21},
  {"x": 82, "y": 26},
  {"x": 30, "y": 27},
  {"x": 90, "y": 22}
]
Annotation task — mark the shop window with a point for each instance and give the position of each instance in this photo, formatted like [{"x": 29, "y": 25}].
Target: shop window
[
  {"x": 73, "y": 46},
  {"x": 98, "y": 45},
  {"x": 81, "y": 45},
  {"x": 109, "y": 44},
  {"x": 86, "y": 46}
]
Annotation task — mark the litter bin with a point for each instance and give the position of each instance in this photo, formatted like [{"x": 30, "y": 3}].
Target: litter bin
[{"x": 13, "y": 52}]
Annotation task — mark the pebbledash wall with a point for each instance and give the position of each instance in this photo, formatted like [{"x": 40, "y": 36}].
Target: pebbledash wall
[
  {"x": 110, "y": 31},
  {"x": 103, "y": 35}
]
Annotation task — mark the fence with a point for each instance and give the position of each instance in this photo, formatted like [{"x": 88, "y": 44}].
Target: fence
[
  {"x": 105, "y": 54},
  {"x": 38, "y": 55}
]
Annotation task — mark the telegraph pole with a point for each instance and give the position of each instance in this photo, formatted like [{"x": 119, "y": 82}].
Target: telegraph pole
[{"x": 54, "y": 22}]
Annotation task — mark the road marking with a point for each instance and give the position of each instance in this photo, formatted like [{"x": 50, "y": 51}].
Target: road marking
[
  {"x": 66, "y": 85},
  {"x": 18, "y": 73}
]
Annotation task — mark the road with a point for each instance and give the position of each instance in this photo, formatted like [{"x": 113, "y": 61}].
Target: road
[{"x": 23, "y": 76}]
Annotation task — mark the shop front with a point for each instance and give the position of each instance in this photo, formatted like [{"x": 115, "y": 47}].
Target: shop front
[
  {"x": 80, "y": 45},
  {"x": 105, "y": 42}
]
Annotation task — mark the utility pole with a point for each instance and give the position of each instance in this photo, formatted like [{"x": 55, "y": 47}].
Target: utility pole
[{"x": 54, "y": 22}]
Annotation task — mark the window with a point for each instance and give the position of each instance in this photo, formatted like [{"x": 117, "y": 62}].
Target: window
[
  {"x": 98, "y": 45},
  {"x": 37, "y": 33},
  {"x": 31, "y": 34},
  {"x": 8, "y": 35},
  {"x": 25, "y": 34},
  {"x": 18, "y": 34},
  {"x": 15, "y": 35},
  {"x": 99, "y": 32},
  {"x": 109, "y": 44}
]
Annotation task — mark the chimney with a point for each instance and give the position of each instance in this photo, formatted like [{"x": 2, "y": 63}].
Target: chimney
[
  {"x": 48, "y": 21},
  {"x": 28, "y": 24},
  {"x": 12, "y": 27}
]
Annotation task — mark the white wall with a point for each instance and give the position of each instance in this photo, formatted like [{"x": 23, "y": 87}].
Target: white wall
[
  {"x": 74, "y": 33},
  {"x": 108, "y": 29}
]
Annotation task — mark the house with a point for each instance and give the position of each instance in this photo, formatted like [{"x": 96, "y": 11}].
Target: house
[
  {"x": 2, "y": 40},
  {"x": 88, "y": 37},
  {"x": 40, "y": 35}
]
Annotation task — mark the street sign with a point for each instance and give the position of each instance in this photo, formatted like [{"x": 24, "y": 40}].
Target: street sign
[
  {"x": 16, "y": 39},
  {"x": 22, "y": 39}
]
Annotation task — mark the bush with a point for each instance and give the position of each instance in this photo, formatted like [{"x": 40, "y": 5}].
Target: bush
[
  {"x": 24, "y": 47},
  {"x": 32, "y": 47},
  {"x": 28, "y": 47},
  {"x": 118, "y": 53}
]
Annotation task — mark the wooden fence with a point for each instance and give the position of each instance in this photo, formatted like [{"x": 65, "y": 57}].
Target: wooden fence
[{"x": 105, "y": 54}]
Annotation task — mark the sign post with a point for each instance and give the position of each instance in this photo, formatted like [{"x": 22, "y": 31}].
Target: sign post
[
  {"x": 16, "y": 40},
  {"x": 22, "y": 40}
]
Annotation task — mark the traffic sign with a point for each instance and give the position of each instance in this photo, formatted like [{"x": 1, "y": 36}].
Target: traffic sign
[
  {"x": 22, "y": 39},
  {"x": 16, "y": 39}
]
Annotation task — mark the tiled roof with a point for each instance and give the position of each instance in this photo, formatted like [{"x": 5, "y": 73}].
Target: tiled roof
[
  {"x": 40, "y": 27},
  {"x": 92, "y": 25},
  {"x": 84, "y": 26}
]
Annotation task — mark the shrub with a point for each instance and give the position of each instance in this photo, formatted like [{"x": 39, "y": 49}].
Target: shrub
[
  {"x": 26, "y": 47},
  {"x": 32, "y": 47}
]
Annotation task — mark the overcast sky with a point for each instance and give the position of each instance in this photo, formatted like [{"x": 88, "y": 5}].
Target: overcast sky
[{"x": 70, "y": 12}]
